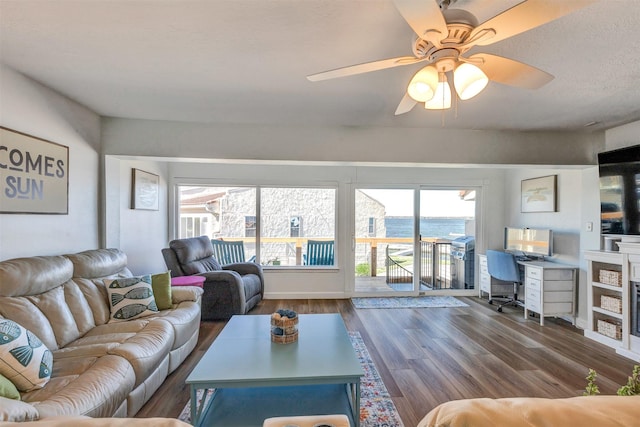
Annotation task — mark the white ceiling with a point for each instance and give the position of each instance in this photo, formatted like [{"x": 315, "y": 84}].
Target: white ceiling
[{"x": 245, "y": 62}]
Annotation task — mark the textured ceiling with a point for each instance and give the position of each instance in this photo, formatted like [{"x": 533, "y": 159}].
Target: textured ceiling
[{"x": 245, "y": 62}]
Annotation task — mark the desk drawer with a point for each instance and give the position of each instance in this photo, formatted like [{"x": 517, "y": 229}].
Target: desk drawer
[
  {"x": 558, "y": 308},
  {"x": 532, "y": 284},
  {"x": 532, "y": 303},
  {"x": 557, "y": 296},
  {"x": 558, "y": 274},
  {"x": 533, "y": 272},
  {"x": 485, "y": 283},
  {"x": 558, "y": 285}
]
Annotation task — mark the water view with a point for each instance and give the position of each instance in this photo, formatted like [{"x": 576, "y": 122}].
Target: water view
[{"x": 444, "y": 228}]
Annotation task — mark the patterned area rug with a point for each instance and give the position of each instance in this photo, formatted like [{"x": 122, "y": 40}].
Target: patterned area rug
[
  {"x": 408, "y": 302},
  {"x": 376, "y": 407}
]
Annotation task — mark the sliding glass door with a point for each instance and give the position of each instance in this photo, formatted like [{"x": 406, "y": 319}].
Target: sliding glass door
[
  {"x": 447, "y": 238},
  {"x": 401, "y": 250},
  {"x": 384, "y": 241}
]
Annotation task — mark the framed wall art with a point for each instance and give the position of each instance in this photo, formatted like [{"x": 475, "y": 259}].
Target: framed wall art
[
  {"x": 144, "y": 190},
  {"x": 539, "y": 194},
  {"x": 34, "y": 175}
]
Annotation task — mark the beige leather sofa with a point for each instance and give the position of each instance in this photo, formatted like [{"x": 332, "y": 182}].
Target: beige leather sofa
[
  {"x": 601, "y": 411},
  {"x": 100, "y": 369}
]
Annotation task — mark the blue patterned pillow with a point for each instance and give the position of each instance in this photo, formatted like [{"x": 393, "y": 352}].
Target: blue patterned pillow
[
  {"x": 24, "y": 359},
  {"x": 131, "y": 298}
]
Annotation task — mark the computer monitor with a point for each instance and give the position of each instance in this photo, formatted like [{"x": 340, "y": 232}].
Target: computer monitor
[{"x": 534, "y": 242}]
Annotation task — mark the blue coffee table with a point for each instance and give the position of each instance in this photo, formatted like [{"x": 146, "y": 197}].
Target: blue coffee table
[{"x": 252, "y": 378}]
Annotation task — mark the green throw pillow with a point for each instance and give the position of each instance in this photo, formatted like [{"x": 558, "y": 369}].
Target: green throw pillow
[
  {"x": 8, "y": 389},
  {"x": 161, "y": 283}
]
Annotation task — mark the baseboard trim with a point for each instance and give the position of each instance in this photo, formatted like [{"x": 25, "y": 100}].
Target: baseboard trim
[{"x": 306, "y": 295}]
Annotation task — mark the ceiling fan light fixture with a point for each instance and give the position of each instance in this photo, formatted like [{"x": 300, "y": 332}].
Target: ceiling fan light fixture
[
  {"x": 469, "y": 80},
  {"x": 442, "y": 99},
  {"x": 423, "y": 85}
]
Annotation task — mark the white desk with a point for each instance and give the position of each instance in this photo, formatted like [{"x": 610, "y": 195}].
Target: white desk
[{"x": 550, "y": 289}]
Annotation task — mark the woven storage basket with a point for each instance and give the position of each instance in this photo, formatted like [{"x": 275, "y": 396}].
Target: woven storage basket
[
  {"x": 610, "y": 329},
  {"x": 609, "y": 277},
  {"x": 288, "y": 327},
  {"x": 284, "y": 339},
  {"x": 613, "y": 304}
]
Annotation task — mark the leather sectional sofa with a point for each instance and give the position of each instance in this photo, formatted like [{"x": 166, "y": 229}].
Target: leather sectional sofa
[{"x": 100, "y": 368}]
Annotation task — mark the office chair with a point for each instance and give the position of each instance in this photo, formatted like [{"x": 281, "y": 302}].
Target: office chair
[{"x": 503, "y": 266}]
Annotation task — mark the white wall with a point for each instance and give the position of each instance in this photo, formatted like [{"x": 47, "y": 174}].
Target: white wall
[
  {"x": 578, "y": 205},
  {"x": 388, "y": 145},
  {"x": 141, "y": 234},
  {"x": 31, "y": 108}
]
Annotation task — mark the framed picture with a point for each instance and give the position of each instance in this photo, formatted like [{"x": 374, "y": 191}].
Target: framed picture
[
  {"x": 539, "y": 194},
  {"x": 144, "y": 190},
  {"x": 34, "y": 175}
]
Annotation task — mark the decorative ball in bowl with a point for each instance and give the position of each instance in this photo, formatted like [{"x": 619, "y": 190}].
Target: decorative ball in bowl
[{"x": 284, "y": 326}]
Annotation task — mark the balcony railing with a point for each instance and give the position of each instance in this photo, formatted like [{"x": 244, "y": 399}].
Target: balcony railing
[{"x": 435, "y": 256}]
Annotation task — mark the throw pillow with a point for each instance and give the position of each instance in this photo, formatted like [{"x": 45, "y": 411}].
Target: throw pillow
[
  {"x": 161, "y": 284},
  {"x": 8, "y": 389},
  {"x": 131, "y": 298},
  {"x": 24, "y": 359}
]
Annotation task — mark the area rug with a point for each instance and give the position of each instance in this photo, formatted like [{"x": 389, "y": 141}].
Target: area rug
[
  {"x": 376, "y": 407},
  {"x": 408, "y": 302}
]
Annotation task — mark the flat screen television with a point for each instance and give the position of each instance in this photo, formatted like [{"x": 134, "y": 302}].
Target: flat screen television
[
  {"x": 535, "y": 242},
  {"x": 620, "y": 191}
]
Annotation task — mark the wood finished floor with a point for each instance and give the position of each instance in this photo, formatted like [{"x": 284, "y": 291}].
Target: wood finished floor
[{"x": 432, "y": 355}]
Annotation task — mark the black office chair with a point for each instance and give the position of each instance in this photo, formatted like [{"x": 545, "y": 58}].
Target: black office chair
[{"x": 503, "y": 266}]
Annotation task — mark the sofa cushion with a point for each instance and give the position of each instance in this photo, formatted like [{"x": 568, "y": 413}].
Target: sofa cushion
[
  {"x": 161, "y": 284},
  {"x": 33, "y": 276},
  {"x": 131, "y": 298},
  {"x": 93, "y": 386},
  {"x": 24, "y": 359},
  {"x": 100, "y": 263},
  {"x": 8, "y": 389}
]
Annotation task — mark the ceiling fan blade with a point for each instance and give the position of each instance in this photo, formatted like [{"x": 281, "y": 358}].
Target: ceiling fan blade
[
  {"x": 510, "y": 72},
  {"x": 405, "y": 105},
  {"x": 425, "y": 17},
  {"x": 525, "y": 16},
  {"x": 364, "y": 68}
]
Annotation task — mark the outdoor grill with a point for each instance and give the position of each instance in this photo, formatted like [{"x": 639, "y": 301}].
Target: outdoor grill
[{"x": 462, "y": 262}]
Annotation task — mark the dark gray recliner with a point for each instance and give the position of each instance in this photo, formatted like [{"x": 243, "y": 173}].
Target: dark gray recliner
[{"x": 228, "y": 289}]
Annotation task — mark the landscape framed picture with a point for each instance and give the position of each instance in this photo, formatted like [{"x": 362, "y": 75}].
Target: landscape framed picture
[
  {"x": 34, "y": 175},
  {"x": 539, "y": 194},
  {"x": 144, "y": 190}
]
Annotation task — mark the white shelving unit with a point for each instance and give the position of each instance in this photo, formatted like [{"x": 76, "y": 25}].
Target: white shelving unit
[{"x": 615, "y": 262}]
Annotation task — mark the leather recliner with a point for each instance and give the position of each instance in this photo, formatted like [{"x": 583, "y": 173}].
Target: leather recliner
[{"x": 228, "y": 289}]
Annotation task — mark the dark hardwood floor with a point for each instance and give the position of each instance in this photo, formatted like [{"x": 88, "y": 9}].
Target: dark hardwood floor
[{"x": 432, "y": 355}]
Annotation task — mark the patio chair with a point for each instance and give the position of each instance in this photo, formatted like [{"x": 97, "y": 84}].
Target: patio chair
[
  {"x": 228, "y": 252},
  {"x": 319, "y": 252}
]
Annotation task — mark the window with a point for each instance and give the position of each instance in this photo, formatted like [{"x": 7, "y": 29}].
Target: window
[
  {"x": 220, "y": 213},
  {"x": 250, "y": 226},
  {"x": 283, "y": 234},
  {"x": 194, "y": 225},
  {"x": 230, "y": 213},
  {"x": 295, "y": 225},
  {"x": 372, "y": 226}
]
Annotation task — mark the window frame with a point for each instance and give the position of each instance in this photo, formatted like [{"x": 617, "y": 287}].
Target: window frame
[{"x": 175, "y": 205}]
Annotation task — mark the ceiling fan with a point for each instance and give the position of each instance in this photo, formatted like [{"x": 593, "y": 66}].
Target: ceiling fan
[{"x": 444, "y": 35}]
